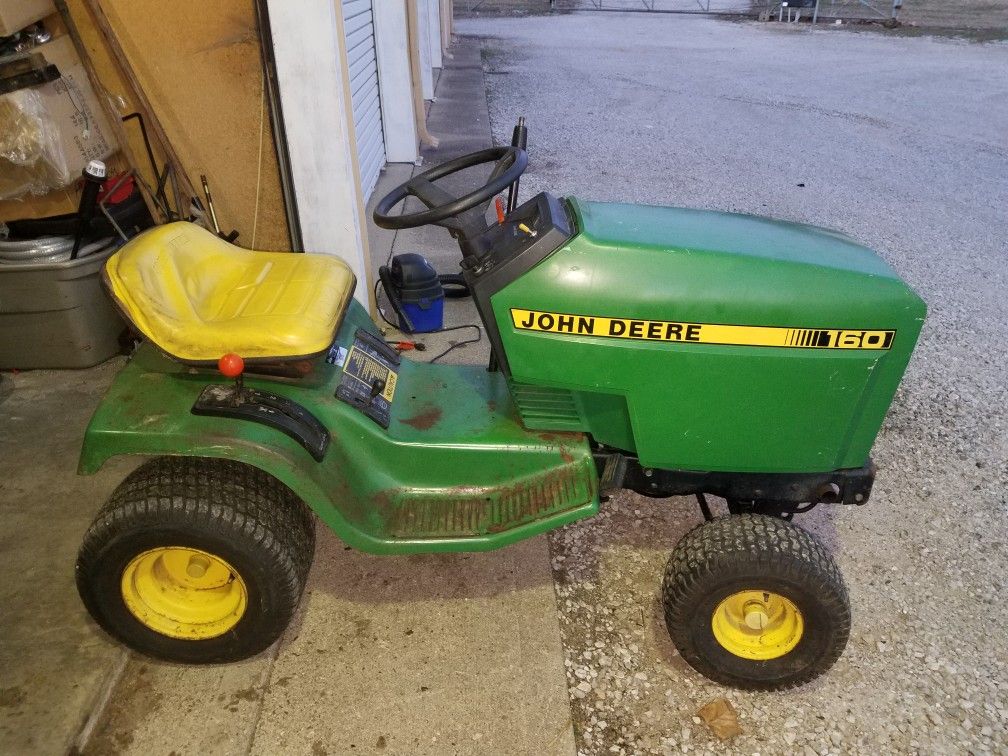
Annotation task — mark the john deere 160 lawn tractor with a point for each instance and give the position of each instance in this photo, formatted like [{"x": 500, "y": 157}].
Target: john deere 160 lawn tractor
[{"x": 667, "y": 351}]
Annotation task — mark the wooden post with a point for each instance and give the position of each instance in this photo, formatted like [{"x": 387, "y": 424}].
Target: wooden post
[{"x": 419, "y": 106}]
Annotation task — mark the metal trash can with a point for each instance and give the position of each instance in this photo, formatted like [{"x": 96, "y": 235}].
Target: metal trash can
[{"x": 57, "y": 315}]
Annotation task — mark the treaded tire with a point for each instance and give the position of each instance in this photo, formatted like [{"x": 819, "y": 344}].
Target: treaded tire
[
  {"x": 229, "y": 509},
  {"x": 755, "y": 552}
]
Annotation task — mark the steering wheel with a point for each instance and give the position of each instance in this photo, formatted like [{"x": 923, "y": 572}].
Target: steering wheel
[{"x": 509, "y": 163}]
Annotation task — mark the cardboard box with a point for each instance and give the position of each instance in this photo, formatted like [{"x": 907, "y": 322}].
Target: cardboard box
[
  {"x": 15, "y": 15},
  {"x": 82, "y": 129}
]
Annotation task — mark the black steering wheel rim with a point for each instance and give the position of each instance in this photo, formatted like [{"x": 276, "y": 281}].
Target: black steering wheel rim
[{"x": 422, "y": 183}]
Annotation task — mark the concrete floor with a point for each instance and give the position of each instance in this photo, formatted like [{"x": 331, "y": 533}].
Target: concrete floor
[
  {"x": 423, "y": 654},
  {"x": 54, "y": 663}
]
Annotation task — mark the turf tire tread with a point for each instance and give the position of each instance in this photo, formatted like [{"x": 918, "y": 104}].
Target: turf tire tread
[
  {"x": 232, "y": 500},
  {"x": 764, "y": 543}
]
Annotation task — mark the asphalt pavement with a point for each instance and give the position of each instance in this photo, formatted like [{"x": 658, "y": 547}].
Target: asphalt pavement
[{"x": 901, "y": 143}]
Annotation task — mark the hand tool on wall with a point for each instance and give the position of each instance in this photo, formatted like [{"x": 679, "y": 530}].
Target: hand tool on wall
[{"x": 229, "y": 237}]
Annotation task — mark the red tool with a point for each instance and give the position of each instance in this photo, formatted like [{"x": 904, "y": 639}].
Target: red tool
[
  {"x": 499, "y": 204},
  {"x": 406, "y": 346}
]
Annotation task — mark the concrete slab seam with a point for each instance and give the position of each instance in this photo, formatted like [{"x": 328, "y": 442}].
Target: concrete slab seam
[
  {"x": 274, "y": 652},
  {"x": 101, "y": 703}
]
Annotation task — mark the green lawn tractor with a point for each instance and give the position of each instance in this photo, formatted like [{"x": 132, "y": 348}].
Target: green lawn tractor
[{"x": 667, "y": 351}]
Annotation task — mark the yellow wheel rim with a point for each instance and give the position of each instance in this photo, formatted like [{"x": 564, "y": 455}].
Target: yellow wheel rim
[
  {"x": 184, "y": 593},
  {"x": 757, "y": 625}
]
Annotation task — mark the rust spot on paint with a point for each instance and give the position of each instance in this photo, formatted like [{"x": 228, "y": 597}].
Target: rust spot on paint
[
  {"x": 424, "y": 420},
  {"x": 468, "y": 511},
  {"x": 542, "y": 497},
  {"x": 558, "y": 437},
  {"x": 382, "y": 502},
  {"x": 561, "y": 439}
]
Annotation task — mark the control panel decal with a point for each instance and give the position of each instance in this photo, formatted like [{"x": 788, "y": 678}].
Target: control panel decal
[
  {"x": 370, "y": 375},
  {"x": 701, "y": 333}
]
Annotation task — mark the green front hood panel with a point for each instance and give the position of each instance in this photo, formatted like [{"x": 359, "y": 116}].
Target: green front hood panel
[
  {"x": 703, "y": 406},
  {"x": 455, "y": 471}
]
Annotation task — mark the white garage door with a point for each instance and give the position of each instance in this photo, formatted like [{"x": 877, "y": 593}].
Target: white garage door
[{"x": 360, "y": 43}]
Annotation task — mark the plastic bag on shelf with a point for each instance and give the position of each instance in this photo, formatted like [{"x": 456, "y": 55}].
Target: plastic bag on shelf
[{"x": 32, "y": 159}]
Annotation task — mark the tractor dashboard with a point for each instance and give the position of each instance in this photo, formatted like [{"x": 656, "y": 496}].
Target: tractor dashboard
[
  {"x": 541, "y": 222},
  {"x": 527, "y": 235}
]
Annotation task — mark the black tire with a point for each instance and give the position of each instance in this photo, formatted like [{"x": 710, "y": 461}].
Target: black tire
[
  {"x": 729, "y": 555},
  {"x": 233, "y": 511}
]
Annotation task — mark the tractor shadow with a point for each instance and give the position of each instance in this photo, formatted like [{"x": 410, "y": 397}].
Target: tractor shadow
[
  {"x": 613, "y": 560},
  {"x": 355, "y": 600}
]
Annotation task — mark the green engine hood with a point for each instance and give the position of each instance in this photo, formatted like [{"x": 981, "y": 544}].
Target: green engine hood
[
  {"x": 794, "y": 401},
  {"x": 706, "y": 232},
  {"x": 728, "y": 268}
]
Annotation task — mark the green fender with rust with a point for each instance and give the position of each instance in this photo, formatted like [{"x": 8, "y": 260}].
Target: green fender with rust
[{"x": 455, "y": 471}]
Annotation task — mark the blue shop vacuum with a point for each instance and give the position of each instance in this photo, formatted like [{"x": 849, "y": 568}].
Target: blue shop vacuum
[{"x": 417, "y": 293}]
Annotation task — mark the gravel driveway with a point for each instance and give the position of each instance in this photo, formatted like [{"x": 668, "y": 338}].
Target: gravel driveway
[{"x": 901, "y": 143}]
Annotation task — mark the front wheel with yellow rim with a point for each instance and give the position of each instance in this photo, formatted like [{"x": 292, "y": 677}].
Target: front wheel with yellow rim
[
  {"x": 196, "y": 560},
  {"x": 755, "y": 602}
]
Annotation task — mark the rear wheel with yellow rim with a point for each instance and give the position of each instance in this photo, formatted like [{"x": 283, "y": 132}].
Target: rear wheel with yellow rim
[
  {"x": 184, "y": 592},
  {"x": 197, "y": 560},
  {"x": 755, "y": 602}
]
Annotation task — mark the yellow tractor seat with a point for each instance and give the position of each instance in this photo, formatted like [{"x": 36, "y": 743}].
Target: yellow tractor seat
[{"x": 197, "y": 297}]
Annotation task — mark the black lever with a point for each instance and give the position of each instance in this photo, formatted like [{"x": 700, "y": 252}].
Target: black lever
[{"x": 519, "y": 139}]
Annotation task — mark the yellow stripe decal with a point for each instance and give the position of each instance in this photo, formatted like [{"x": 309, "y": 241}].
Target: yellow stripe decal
[{"x": 700, "y": 333}]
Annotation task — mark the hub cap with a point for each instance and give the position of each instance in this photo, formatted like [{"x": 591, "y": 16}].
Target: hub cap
[
  {"x": 184, "y": 593},
  {"x": 757, "y": 625}
]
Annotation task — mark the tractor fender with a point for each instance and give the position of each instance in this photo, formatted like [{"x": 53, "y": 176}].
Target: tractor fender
[
  {"x": 454, "y": 472},
  {"x": 291, "y": 466}
]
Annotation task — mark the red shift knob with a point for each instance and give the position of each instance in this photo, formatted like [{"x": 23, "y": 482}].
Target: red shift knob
[{"x": 231, "y": 365}]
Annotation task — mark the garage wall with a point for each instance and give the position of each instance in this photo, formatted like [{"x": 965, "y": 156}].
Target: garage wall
[{"x": 199, "y": 64}]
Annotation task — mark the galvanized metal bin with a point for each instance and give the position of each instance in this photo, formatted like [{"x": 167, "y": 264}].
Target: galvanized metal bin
[{"x": 57, "y": 315}]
